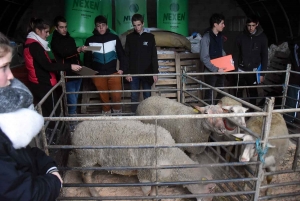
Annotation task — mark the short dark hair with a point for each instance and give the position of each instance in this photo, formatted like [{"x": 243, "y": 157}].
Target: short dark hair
[
  {"x": 137, "y": 17},
  {"x": 37, "y": 23},
  {"x": 100, "y": 19},
  {"x": 252, "y": 18},
  {"x": 58, "y": 19},
  {"x": 216, "y": 18}
]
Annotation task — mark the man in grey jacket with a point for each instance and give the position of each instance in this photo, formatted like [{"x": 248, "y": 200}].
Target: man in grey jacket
[{"x": 211, "y": 47}]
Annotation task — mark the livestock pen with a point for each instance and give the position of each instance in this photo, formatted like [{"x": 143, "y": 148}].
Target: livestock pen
[{"x": 231, "y": 184}]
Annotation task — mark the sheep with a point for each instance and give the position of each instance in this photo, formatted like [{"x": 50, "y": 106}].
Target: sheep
[
  {"x": 183, "y": 130},
  {"x": 277, "y": 147},
  {"x": 230, "y": 105},
  {"x": 130, "y": 133}
]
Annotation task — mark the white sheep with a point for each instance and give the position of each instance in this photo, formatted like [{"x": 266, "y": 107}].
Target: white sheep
[
  {"x": 183, "y": 130},
  {"x": 230, "y": 105},
  {"x": 131, "y": 133},
  {"x": 277, "y": 147}
]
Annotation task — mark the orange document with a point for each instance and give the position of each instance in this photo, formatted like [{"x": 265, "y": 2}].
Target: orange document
[{"x": 224, "y": 62}]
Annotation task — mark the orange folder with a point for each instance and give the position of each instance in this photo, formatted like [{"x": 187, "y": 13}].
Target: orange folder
[{"x": 224, "y": 62}]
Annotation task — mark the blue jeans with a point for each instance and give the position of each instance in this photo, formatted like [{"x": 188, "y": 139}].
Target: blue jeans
[
  {"x": 73, "y": 86},
  {"x": 135, "y": 85}
]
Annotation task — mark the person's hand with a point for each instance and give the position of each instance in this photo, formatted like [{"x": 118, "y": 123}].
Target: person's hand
[
  {"x": 155, "y": 78},
  {"x": 120, "y": 72},
  {"x": 81, "y": 49},
  {"x": 262, "y": 79},
  {"x": 129, "y": 78},
  {"x": 221, "y": 70},
  {"x": 76, "y": 67},
  {"x": 58, "y": 176}
]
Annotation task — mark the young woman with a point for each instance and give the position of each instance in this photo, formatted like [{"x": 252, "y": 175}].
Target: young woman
[
  {"x": 26, "y": 173},
  {"x": 41, "y": 71}
]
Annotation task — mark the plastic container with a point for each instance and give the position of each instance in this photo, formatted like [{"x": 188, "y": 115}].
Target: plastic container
[
  {"x": 80, "y": 15},
  {"x": 172, "y": 15}
]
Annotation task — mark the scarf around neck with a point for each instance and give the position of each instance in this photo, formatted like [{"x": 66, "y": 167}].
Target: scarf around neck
[{"x": 36, "y": 37}]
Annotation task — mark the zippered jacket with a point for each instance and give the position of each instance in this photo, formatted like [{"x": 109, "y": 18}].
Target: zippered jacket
[
  {"x": 40, "y": 68},
  {"x": 251, "y": 50},
  {"x": 141, "y": 53},
  {"x": 105, "y": 60}
]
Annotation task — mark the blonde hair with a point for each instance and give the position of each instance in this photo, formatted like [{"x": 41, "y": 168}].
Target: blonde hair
[{"x": 5, "y": 48}]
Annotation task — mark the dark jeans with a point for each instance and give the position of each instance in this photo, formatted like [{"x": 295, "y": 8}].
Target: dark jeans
[
  {"x": 135, "y": 85},
  {"x": 215, "y": 81},
  {"x": 73, "y": 86},
  {"x": 247, "y": 80}
]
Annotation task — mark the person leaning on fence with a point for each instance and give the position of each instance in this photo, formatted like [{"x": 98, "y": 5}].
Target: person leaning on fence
[
  {"x": 41, "y": 71},
  {"x": 211, "y": 47},
  {"x": 26, "y": 173},
  {"x": 141, "y": 58},
  {"x": 104, "y": 62},
  {"x": 250, "y": 52}
]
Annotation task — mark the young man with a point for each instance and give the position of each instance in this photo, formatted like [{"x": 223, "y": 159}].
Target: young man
[
  {"x": 251, "y": 51},
  {"x": 141, "y": 58},
  {"x": 65, "y": 51},
  {"x": 105, "y": 62},
  {"x": 211, "y": 47}
]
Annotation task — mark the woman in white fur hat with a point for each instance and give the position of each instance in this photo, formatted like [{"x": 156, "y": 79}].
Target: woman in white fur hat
[{"x": 26, "y": 173}]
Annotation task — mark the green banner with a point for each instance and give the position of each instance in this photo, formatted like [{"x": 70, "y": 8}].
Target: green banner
[
  {"x": 125, "y": 9},
  {"x": 172, "y": 15}
]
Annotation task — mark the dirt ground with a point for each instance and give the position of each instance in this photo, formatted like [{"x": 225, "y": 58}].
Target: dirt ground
[{"x": 105, "y": 177}]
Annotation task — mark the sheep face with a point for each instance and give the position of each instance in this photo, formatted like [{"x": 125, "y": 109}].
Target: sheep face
[
  {"x": 236, "y": 109},
  {"x": 213, "y": 124},
  {"x": 249, "y": 150}
]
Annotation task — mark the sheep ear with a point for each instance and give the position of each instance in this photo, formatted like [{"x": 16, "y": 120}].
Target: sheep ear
[
  {"x": 226, "y": 108},
  {"x": 241, "y": 136},
  {"x": 246, "y": 109},
  {"x": 200, "y": 109}
]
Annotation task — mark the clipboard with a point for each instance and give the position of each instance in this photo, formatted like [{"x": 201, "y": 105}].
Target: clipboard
[
  {"x": 92, "y": 48},
  {"x": 224, "y": 62},
  {"x": 85, "y": 71}
]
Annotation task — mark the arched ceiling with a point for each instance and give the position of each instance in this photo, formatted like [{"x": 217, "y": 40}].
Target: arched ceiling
[{"x": 279, "y": 18}]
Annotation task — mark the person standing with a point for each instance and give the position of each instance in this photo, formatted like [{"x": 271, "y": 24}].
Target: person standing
[
  {"x": 104, "y": 62},
  {"x": 65, "y": 51},
  {"x": 211, "y": 47},
  {"x": 26, "y": 173},
  {"x": 141, "y": 58},
  {"x": 251, "y": 51},
  {"x": 41, "y": 71}
]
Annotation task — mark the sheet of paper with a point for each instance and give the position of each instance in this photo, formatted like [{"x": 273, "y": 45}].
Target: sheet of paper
[
  {"x": 86, "y": 71},
  {"x": 224, "y": 62},
  {"x": 93, "y": 48}
]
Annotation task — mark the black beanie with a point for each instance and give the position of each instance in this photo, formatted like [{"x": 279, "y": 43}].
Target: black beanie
[{"x": 14, "y": 97}]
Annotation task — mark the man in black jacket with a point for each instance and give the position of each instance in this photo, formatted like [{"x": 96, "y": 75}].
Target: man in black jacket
[
  {"x": 65, "y": 51},
  {"x": 105, "y": 62},
  {"x": 251, "y": 51},
  {"x": 141, "y": 58}
]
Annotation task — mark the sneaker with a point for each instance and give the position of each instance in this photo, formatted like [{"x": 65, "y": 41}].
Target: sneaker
[
  {"x": 108, "y": 113},
  {"x": 118, "y": 112}
]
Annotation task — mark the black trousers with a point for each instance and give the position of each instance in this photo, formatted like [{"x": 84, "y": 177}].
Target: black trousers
[
  {"x": 39, "y": 91},
  {"x": 247, "y": 80},
  {"x": 215, "y": 81}
]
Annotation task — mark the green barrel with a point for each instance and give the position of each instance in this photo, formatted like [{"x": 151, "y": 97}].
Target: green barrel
[
  {"x": 80, "y": 15},
  {"x": 172, "y": 15},
  {"x": 125, "y": 9}
]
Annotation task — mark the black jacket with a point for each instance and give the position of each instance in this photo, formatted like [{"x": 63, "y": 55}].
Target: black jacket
[
  {"x": 105, "y": 60},
  {"x": 251, "y": 50},
  {"x": 64, "y": 50},
  {"x": 141, "y": 53},
  {"x": 23, "y": 172}
]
